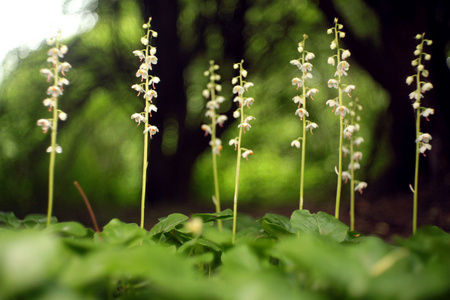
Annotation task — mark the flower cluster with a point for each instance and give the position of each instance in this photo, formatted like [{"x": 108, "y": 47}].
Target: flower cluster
[
  {"x": 422, "y": 139},
  {"x": 304, "y": 65},
  {"x": 240, "y": 87},
  {"x": 212, "y": 105},
  {"x": 56, "y": 74},
  {"x": 351, "y": 135},
  {"x": 147, "y": 86},
  {"x": 342, "y": 66}
]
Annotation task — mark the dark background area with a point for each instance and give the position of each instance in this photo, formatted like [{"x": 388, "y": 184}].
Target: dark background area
[{"x": 103, "y": 147}]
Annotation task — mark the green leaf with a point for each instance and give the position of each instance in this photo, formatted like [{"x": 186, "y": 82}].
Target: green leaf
[
  {"x": 276, "y": 225},
  {"x": 9, "y": 219},
  {"x": 168, "y": 223},
  {"x": 118, "y": 232},
  {"x": 208, "y": 217},
  {"x": 68, "y": 228},
  {"x": 321, "y": 223},
  {"x": 37, "y": 221}
]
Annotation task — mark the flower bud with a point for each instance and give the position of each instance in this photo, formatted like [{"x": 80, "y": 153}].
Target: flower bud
[
  {"x": 418, "y": 36},
  {"x": 330, "y": 31},
  {"x": 342, "y": 35}
]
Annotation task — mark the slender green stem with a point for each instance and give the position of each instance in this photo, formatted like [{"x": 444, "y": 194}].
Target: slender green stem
[
  {"x": 416, "y": 174},
  {"x": 51, "y": 171},
  {"x": 302, "y": 168},
  {"x": 352, "y": 187},
  {"x": 236, "y": 186},
  {"x": 214, "y": 155},
  {"x": 341, "y": 130},
  {"x": 146, "y": 142}
]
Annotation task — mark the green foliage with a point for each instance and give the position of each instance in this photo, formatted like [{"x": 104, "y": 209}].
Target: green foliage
[{"x": 66, "y": 261}]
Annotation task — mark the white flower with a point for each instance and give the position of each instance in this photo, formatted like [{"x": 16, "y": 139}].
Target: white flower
[
  {"x": 212, "y": 105},
  {"x": 239, "y": 100},
  {"x": 140, "y": 54},
  {"x": 332, "y": 83},
  {"x": 295, "y": 62},
  {"x": 348, "y": 131},
  {"x": 149, "y": 95},
  {"x": 236, "y": 114},
  {"x": 295, "y": 143},
  {"x": 238, "y": 90},
  {"x": 331, "y": 61},
  {"x": 348, "y": 89},
  {"x": 346, "y": 176},
  {"x": 247, "y": 85},
  {"x": 62, "y": 116},
  {"x": 249, "y": 118},
  {"x": 345, "y": 151},
  {"x": 247, "y": 153},
  {"x": 64, "y": 67},
  {"x": 234, "y": 80},
  {"x": 298, "y": 82},
  {"x": 415, "y": 95},
  {"x": 47, "y": 73},
  {"x": 138, "y": 118},
  {"x": 244, "y": 126},
  {"x": 54, "y": 91},
  {"x": 249, "y": 101},
  {"x": 311, "y": 126},
  {"x": 357, "y": 156},
  {"x": 358, "y": 141},
  {"x": 144, "y": 41},
  {"x": 152, "y": 50},
  {"x": 151, "y": 108},
  {"x": 311, "y": 93},
  {"x": 424, "y": 147},
  {"x": 332, "y": 103},
  {"x": 341, "y": 68},
  {"x": 152, "y": 130},
  {"x": 151, "y": 60},
  {"x": 329, "y": 30},
  {"x": 154, "y": 80},
  {"x": 309, "y": 56},
  {"x": 356, "y": 165},
  {"x": 427, "y": 112},
  {"x": 207, "y": 129},
  {"x": 298, "y": 100},
  {"x": 333, "y": 45},
  {"x": 49, "y": 102},
  {"x": 342, "y": 110},
  {"x": 221, "y": 119},
  {"x": 142, "y": 73},
  {"x": 360, "y": 186},
  {"x": 45, "y": 124},
  {"x": 301, "y": 112},
  {"x": 244, "y": 73},
  {"x": 424, "y": 137},
  {"x": 409, "y": 80},
  {"x": 345, "y": 54},
  {"x": 217, "y": 146},
  {"x": 58, "y": 149},
  {"x": 306, "y": 67},
  {"x": 220, "y": 99},
  {"x": 426, "y": 87},
  {"x": 138, "y": 88},
  {"x": 233, "y": 142}
]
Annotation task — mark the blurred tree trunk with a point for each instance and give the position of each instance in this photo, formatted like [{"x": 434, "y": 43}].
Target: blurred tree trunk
[
  {"x": 169, "y": 175},
  {"x": 389, "y": 63}
]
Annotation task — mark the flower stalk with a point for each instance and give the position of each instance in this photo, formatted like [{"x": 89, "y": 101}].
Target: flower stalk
[
  {"x": 147, "y": 89},
  {"x": 241, "y": 86},
  {"x": 342, "y": 66},
  {"x": 422, "y": 139},
  {"x": 57, "y": 72},
  {"x": 305, "y": 67},
  {"x": 216, "y": 144}
]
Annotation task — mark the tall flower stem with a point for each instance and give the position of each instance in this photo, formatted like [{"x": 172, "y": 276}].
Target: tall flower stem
[
  {"x": 147, "y": 88},
  {"x": 352, "y": 187},
  {"x": 422, "y": 139},
  {"x": 241, "y": 87}
]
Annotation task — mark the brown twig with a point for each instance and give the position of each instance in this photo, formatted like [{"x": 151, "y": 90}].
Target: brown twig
[{"x": 88, "y": 205}]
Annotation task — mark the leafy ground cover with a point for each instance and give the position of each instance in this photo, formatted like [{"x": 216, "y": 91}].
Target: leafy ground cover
[{"x": 306, "y": 256}]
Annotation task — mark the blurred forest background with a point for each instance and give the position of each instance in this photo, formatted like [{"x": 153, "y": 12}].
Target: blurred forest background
[{"x": 103, "y": 147}]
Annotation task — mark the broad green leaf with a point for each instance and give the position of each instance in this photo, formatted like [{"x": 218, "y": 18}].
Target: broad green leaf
[
  {"x": 118, "y": 232},
  {"x": 208, "y": 217},
  {"x": 37, "y": 221},
  {"x": 68, "y": 228},
  {"x": 276, "y": 225},
  {"x": 321, "y": 223},
  {"x": 9, "y": 219},
  {"x": 168, "y": 223}
]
